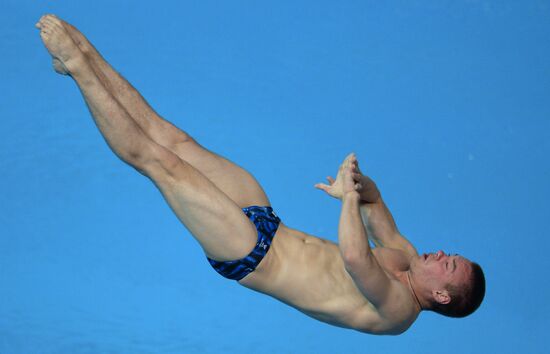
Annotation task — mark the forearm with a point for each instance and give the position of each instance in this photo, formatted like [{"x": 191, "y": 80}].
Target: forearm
[
  {"x": 358, "y": 258},
  {"x": 378, "y": 221},
  {"x": 381, "y": 227},
  {"x": 377, "y": 218},
  {"x": 352, "y": 236},
  {"x": 370, "y": 192}
]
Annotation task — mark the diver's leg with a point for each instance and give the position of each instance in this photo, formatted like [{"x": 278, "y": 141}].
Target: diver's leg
[
  {"x": 218, "y": 224},
  {"x": 233, "y": 180}
]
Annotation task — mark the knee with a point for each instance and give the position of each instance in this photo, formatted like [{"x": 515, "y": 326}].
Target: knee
[
  {"x": 171, "y": 136},
  {"x": 154, "y": 161},
  {"x": 181, "y": 143}
]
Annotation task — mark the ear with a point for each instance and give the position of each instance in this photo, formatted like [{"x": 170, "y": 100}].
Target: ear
[{"x": 441, "y": 296}]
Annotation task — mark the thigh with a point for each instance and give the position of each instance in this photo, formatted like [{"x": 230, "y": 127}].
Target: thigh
[
  {"x": 237, "y": 183},
  {"x": 217, "y": 222}
]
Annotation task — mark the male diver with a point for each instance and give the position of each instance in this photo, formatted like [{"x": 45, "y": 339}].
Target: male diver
[{"x": 377, "y": 290}]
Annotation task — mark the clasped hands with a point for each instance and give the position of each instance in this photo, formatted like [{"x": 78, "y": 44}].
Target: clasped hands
[
  {"x": 347, "y": 179},
  {"x": 350, "y": 182}
]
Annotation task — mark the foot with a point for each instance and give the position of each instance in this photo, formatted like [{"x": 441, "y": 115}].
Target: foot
[
  {"x": 81, "y": 41},
  {"x": 60, "y": 45}
]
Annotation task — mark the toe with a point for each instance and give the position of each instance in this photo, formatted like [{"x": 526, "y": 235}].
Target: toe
[
  {"x": 49, "y": 19},
  {"x": 55, "y": 19},
  {"x": 58, "y": 18},
  {"x": 51, "y": 25},
  {"x": 55, "y": 23},
  {"x": 45, "y": 22}
]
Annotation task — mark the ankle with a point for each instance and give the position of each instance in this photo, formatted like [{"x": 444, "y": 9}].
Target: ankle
[{"x": 78, "y": 66}]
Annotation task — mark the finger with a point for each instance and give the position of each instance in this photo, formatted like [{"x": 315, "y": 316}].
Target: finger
[
  {"x": 345, "y": 162},
  {"x": 330, "y": 180},
  {"x": 355, "y": 165},
  {"x": 322, "y": 187},
  {"x": 356, "y": 176}
]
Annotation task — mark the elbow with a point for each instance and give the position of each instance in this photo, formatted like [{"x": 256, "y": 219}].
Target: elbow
[
  {"x": 349, "y": 257},
  {"x": 352, "y": 259},
  {"x": 356, "y": 260}
]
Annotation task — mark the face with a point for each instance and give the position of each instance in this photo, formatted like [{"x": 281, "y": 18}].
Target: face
[{"x": 437, "y": 270}]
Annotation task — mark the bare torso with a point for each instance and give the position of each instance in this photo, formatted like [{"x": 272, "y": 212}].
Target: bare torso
[{"x": 308, "y": 273}]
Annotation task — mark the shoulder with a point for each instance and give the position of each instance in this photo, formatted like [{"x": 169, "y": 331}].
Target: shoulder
[
  {"x": 391, "y": 320},
  {"x": 393, "y": 317}
]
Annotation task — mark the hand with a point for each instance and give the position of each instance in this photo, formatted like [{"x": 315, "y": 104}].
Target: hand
[
  {"x": 347, "y": 179},
  {"x": 369, "y": 191}
]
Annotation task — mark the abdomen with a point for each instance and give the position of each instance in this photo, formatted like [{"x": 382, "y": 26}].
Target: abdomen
[{"x": 307, "y": 273}]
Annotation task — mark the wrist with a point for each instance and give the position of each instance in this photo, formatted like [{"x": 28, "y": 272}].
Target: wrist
[
  {"x": 351, "y": 195},
  {"x": 370, "y": 195}
]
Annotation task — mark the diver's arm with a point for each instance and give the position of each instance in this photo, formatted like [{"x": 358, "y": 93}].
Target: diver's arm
[
  {"x": 381, "y": 227},
  {"x": 379, "y": 223},
  {"x": 359, "y": 260},
  {"x": 377, "y": 218}
]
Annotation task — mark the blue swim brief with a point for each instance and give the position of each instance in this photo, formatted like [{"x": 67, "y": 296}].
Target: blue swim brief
[{"x": 266, "y": 223}]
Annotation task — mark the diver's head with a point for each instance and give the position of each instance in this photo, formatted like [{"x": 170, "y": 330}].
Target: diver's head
[{"x": 450, "y": 285}]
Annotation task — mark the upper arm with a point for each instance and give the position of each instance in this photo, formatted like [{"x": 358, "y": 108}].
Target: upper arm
[
  {"x": 390, "y": 299},
  {"x": 381, "y": 227},
  {"x": 370, "y": 279},
  {"x": 372, "y": 322}
]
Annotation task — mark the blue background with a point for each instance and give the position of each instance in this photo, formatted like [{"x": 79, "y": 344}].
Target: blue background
[{"x": 446, "y": 104}]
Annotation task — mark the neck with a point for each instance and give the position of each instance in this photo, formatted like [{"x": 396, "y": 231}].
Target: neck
[{"x": 420, "y": 308}]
